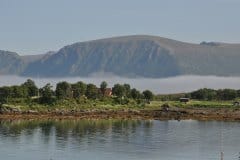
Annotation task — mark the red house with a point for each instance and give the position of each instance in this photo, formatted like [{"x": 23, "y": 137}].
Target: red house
[{"x": 107, "y": 92}]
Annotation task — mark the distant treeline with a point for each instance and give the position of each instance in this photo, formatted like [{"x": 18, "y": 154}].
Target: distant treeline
[
  {"x": 211, "y": 94},
  {"x": 65, "y": 90},
  {"x": 204, "y": 94},
  {"x": 121, "y": 93}
]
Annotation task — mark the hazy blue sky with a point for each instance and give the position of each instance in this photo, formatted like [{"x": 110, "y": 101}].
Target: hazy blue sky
[{"x": 37, "y": 26}]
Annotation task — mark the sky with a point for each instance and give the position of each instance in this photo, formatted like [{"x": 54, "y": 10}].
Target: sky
[{"x": 39, "y": 26}]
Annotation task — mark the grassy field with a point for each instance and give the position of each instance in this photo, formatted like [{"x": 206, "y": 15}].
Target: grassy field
[
  {"x": 106, "y": 104},
  {"x": 109, "y": 104},
  {"x": 192, "y": 104}
]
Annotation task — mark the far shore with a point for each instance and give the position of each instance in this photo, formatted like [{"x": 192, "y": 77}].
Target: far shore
[
  {"x": 87, "y": 101},
  {"x": 206, "y": 114}
]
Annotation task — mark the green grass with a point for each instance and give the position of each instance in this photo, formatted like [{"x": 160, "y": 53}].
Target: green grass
[
  {"x": 110, "y": 104},
  {"x": 192, "y": 104}
]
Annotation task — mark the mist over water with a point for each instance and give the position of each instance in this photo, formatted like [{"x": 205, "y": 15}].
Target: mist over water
[{"x": 163, "y": 85}]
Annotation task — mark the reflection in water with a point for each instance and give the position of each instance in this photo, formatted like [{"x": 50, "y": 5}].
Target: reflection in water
[
  {"x": 77, "y": 130},
  {"x": 118, "y": 139}
]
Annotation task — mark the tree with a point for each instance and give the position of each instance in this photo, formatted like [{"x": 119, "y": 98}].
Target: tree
[
  {"x": 127, "y": 88},
  {"x": 204, "y": 94},
  {"x": 5, "y": 94},
  {"x": 92, "y": 91},
  {"x": 31, "y": 88},
  {"x": 19, "y": 92},
  {"x": 229, "y": 94},
  {"x": 47, "y": 94},
  {"x": 103, "y": 87},
  {"x": 148, "y": 95},
  {"x": 238, "y": 93},
  {"x": 63, "y": 90},
  {"x": 118, "y": 90},
  {"x": 79, "y": 89},
  {"x": 210, "y": 94},
  {"x": 135, "y": 94}
]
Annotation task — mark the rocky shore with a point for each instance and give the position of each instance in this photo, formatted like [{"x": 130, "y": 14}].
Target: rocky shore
[{"x": 221, "y": 114}]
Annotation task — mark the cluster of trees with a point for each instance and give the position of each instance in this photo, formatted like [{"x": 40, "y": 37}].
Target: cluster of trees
[
  {"x": 65, "y": 90},
  {"x": 125, "y": 91},
  {"x": 26, "y": 90},
  {"x": 120, "y": 92},
  {"x": 211, "y": 94},
  {"x": 203, "y": 94},
  {"x": 171, "y": 97}
]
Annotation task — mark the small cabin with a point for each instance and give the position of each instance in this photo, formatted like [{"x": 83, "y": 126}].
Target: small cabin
[
  {"x": 236, "y": 103},
  {"x": 107, "y": 92},
  {"x": 184, "y": 100}
]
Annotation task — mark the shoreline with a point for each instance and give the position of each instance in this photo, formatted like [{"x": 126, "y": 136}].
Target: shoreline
[{"x": 203, "y": 114}]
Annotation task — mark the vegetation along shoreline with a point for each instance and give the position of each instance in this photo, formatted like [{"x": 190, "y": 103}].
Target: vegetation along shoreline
[{"x": 80, "y": 100}]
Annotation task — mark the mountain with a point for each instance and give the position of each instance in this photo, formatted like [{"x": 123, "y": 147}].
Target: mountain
[
  {"x": 134, "y": 56},
  {"x": 11, "y": 63}
]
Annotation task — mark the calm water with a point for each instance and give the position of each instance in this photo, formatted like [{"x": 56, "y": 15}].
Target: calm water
[
  {"x": 118, "y": 140},
  {"x": 164, "y": 85}
]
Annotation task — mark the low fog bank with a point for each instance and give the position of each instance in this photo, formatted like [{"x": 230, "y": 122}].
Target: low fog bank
[{"x": 158, "y": 86}]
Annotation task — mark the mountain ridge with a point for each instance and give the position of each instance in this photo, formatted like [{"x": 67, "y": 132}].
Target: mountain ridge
[{"x": 130, "y": 56}]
